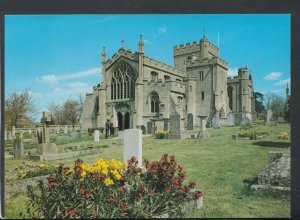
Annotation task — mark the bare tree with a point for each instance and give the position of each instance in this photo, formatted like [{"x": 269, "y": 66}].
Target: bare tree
[
  {"x": 56, "y": 114},
  {"x": 268, "y": 97},
  {"x": 19, "y": 106}
]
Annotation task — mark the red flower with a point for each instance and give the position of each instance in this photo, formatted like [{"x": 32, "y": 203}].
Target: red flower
[
  {"x": 154, "y": 171},
  {"x": 82, "y": 191},
  {"x": 51, "y": 177},
  {"x": 78, "y": 169},
  {"x": 71, "y": 212},
  {"x": 168, "y": 190},
  {"x": 198, "y": 194},
  {"x": 78, "y": 162},
  {"x": 52, "y": 184},
  {"x": 192, "y": 185}
]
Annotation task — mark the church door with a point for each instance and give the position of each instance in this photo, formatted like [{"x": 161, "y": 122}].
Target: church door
[
  {"x": 120, "y": 121},
  {"x": 123, "y": 121},
  {"x": 126, "y": 120}
]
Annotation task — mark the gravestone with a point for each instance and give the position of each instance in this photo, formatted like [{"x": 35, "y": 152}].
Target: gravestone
[
  {"x": 203, "y": 133},
  {"x": 230, "y": 119},
  {"x": 269, "y": 115},
  {"x": 29, "y": 131},
  {"x": 190, "y": 121},
  {"x": 18, "y": 148},
  {"x": 66, "y": 129},
  {"x": 57, "y": 130},
  {"x": 175, "y": 127},
  {"x": 43, "y": 137},
  {"x": 143, "y": 128},
  {"x": 149, "y": 127},
  {"x": 13, "y": 132},
  {"x": 133, "y": 145},
  {"x": 166, "y": 124},
  {"x": 216, "y": 122},
  {"x": 245, "y": 122},
  {"x": 96, "y": 135}
]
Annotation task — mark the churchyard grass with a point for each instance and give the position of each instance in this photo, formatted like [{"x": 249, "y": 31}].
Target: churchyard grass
[{"x": 218, "y": 165}]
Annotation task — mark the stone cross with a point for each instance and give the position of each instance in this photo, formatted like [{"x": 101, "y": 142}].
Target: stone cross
[
  {"x": 133, "y": 145},
  {"x": 44, "y": 135},
  {"x": 96, "y": 136}
]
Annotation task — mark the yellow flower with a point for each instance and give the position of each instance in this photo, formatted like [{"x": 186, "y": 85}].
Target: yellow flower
[
  {"x": 108, "y": 182},
  {"x": 70, "y": 171},
  {"x": 44, "y": 165},
  {"x": 23, "y": 175}
]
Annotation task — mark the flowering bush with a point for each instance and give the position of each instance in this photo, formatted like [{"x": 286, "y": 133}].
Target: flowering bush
[
  {"x": 252, "y": 134},
  {"x": 284, "y": 135},
  {"x": 106, "y": 190},
  {"x": 161, "y": 134},
  {"x": 260, "y": 122}
]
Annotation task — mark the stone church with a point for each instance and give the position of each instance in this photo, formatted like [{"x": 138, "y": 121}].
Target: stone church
[{"x": 140, "y": 92}]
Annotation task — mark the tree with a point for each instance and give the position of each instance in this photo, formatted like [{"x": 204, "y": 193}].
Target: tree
[
  {"x": 259, "y": 103},
  {"x": 67, "y": 113},
  {"x": 19, "y": 107},
  {"x": 268, "y": 97},
  {"x": 277, "y": 105}
]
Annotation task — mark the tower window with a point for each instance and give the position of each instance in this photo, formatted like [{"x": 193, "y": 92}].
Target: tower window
[
  {"x": 154, "y": 76},
  {"x": 202, "y": 95},
  {"x": 201, "y": 76}
]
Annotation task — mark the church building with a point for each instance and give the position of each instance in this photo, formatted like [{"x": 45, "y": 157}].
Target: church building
[{"x": 140, "y": 92}]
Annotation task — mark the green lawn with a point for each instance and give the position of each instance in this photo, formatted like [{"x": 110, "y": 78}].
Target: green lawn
[{"x": 217, "y": 164}]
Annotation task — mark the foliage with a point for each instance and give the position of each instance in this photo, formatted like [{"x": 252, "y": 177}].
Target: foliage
[
  {"x": 106, "y": 190},
  {"x": 277, "y": 106},
  {"x": 161, "y": 134},
  {"x": 252, "y": 134},
  {"x": 91, "y": 130},
  {"x": 19, "y": 109},
  {"x": 260, "y": 122},
  {"x": 67, "y": 113},
  {"x": 284, "y": 136},
  {"x": 259, "y": 102}
]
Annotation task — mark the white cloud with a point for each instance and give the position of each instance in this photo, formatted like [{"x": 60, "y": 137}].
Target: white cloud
[
  {"x": 283, "y": 82},
  {"x": 77, "y": 84},
  {"x": 162, "y": 29},
  {"x": 273, "y": 76},
  {"x": 51, "y": 78},
  {"x": 232, "y": 71}
]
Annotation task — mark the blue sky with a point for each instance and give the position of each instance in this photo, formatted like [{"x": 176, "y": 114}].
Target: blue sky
[{"x": 59, "y": 56}]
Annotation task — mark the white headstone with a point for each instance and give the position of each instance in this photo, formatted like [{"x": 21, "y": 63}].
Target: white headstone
[
  {"x": 133, "y": 145},
  {"x": 13, "y": 132},
  {"x": 57, "y": 130},
  {"x": 96, "y": 136},
  {"x": 29, "y": 131},
  {"x": 66, "y": 130}
]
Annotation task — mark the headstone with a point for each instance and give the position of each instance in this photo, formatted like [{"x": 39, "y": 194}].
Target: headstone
[
  {"x": 143, "y": 128},
  {"x": 245, "y": 122},
  {"x": 96, "y": 135},
  {"x": 269, "y": 115},
  {"x": 66, "y": 129},
  {"x": 190, "y": 122},
  {"x": 121, "y": 134},
  {"x": 149, "y": 127},
  {"x": 216, "y": 122},
  {"x": 133, "y": 145},
  {"x": 175, "y": 127},
  {"x": 18, "y": 148},
  {"x": 203, "y": 133},
  {"x": 230, "y": 119},
  {"x": 13, "y": 132},
  {"x": 167, "y": 125},
  {"x": 29, "y": 131},
  {"x": 57, "y": 130}
]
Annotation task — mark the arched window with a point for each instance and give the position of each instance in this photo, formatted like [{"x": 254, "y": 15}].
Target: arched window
[
  {"x": 123, "y": 82},
  {"x": 202, "y": 95},
  {"x": 201, "y": 76},
  {"x": 154, "y": 102}
]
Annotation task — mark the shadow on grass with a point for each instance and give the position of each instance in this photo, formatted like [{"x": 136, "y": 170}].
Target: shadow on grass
[{"x": 272, "y": 144}]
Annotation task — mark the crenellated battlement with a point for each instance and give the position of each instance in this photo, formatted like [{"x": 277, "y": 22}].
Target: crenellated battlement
[
  {"x": 186, "y": 48},
  {"x": 213, "y": 60}
]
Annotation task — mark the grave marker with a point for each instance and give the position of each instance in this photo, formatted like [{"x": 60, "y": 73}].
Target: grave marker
[
  {"x": 96, "y": 135},
  {"x": 175, "y": 127},
  {"x": 18, "y": 148},
  {"x": 133, "y": 145}
]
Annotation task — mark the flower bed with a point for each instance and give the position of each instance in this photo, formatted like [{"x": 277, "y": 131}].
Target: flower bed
[
  {"x": 284, "y": 136},
  {"x": 161, "y": 134},
  {"x": 249, "y": 135},
  {"x": 107, "y": 189}
]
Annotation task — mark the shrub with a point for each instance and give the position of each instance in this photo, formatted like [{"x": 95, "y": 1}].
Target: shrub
[
  {"x": 106, "y": 190},
  {"x": 161, "y": 134},
  {"x": 252, "y": 134},
  {"x": 284, "y": 136}
]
